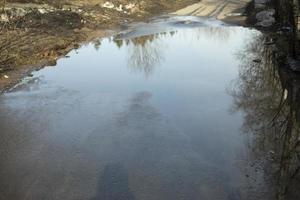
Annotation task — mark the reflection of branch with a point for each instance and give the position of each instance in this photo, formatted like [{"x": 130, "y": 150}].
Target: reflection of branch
[
  {"x": 265, "y": 99},
  {"x": 295, "y": 173},
  {"x": 221, "y": 34},
  {"x": 146, "y": 52},
  {"x": 279, "y": 107},
  {"x": 294, "y": 148}
]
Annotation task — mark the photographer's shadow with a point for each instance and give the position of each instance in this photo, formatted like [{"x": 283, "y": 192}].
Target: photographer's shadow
[{"x": 113, "y": 184}]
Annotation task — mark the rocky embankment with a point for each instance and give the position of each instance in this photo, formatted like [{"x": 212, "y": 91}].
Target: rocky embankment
[{"x": 264, "y": 15}]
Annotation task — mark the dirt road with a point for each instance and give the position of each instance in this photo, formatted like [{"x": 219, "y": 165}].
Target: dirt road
[{"x": 227, "y": 10}]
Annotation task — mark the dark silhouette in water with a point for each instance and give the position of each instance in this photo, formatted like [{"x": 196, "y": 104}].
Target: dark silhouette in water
[
  {"x": 269, "y": 95},
  {"x": 113, "y": 184}
]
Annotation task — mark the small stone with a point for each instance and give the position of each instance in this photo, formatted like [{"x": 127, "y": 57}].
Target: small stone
[
  {"x": 266, "y": 23},
  {"x": 294, "y": 64},
  {"x": 265, "y": 18},
  {"x": 257, "y": 60},
  {"x": 42, "y": 11},
  {"x": 285, "y": 94},
  {"x": 6, "y": 77},
  {"x": 120, "y": 8},
  {"x": 130, "y": 6},
  {"x": 4, "y": 18},
  {"x": 265, "y": 14},
  {"x": 108, "y": 5}
]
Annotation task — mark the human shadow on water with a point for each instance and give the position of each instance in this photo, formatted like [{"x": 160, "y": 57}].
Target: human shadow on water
[{"x": 113, "y": 184}]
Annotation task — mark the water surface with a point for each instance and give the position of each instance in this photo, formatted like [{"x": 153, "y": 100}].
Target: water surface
[{"x": 143, "y": 115}]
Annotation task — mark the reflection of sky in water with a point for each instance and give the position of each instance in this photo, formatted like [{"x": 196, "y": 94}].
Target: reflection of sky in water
[{"x": 150, "y": 114}]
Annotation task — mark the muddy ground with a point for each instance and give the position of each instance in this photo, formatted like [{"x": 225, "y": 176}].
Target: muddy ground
[{"x": 36, "y": 33}]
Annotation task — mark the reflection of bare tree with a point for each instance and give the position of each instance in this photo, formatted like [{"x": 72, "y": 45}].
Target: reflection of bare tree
[
  {"x": 145, "y": 52},
  {"x": 269, "y": 101},
  {"x": 97, "y": 44},
  {"x": 220, "y": 34},
  {"x": 290, "y": 155}
]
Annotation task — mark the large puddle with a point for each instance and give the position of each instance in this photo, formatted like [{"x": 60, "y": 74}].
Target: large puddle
[{"x": 146, "y": 115}]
